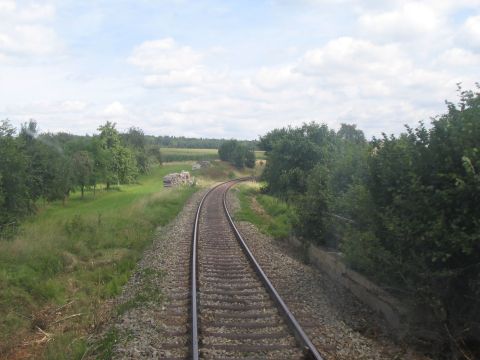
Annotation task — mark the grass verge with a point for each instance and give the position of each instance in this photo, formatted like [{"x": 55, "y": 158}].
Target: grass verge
[
  {"x": 58, "y": 272},
  {"x": 269, "y": 214}
]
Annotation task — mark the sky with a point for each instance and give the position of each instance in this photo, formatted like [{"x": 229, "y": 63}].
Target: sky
[{"x": 234, "y": 69}]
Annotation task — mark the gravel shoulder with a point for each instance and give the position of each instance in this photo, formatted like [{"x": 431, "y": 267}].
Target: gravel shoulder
[{"x": 337, "y": 323}]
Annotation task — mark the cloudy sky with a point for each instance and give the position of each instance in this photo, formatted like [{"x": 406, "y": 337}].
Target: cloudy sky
[{"x": 218, "y": 68}]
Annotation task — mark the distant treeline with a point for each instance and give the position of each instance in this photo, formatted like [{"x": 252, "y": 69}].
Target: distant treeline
[
  {"x": 193, "y": 143},
  {"x": 48, "y": 167},
  {"x": 404, "y": 210}
]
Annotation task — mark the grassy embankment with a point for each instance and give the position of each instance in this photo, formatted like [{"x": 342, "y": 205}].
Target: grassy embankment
[
  {"x": 269, "y": 214},
  {"x": 77, "y": 256},
  {"x": 178, "y": 154}
]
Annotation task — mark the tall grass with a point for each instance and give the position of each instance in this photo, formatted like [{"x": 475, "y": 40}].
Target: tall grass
[
  {"x": 269, "y": 214},
  {"x": 79, "y": 255}
]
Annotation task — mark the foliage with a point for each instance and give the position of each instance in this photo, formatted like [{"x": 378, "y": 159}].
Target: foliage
[
  {"x": 403, "y": 209},
  {"x": 183, "y": 142},
  {"x": 15, "y": 200},
  {"x": 83, "y": 169},
  {"x": 48, "y": 167},
  {"x": 292, "y": 154},
  {"x": 118, "y": 160},
  {"x": 237, "y": 154}
]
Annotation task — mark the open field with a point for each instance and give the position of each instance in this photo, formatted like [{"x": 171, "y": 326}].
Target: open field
[
  {"x": 183, "y": 154},
  {"x": 260, "y": 155},
  {"x": 79, "y": 255}
]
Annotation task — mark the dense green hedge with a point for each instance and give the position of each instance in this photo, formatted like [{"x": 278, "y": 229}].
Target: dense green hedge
[{"x": 403, "y": 209}]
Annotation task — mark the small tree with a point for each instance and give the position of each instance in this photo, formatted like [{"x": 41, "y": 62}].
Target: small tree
[{"x": 82, "y": 169}]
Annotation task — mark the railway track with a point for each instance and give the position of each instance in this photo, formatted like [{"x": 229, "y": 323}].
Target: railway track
[{"x": 235, "y": 311}]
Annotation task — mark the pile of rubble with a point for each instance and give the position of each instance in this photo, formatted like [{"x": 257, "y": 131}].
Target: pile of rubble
[{"x": 176, "y": 179}]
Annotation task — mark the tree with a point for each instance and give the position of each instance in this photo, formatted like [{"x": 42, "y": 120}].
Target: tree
[
  {"x": 15, "y": 200},
  {"x": 237, "y": 153},
  {"x": 155, "y": 153},
  {"x": 292, "y": 154},
  {"x": 135, "y": 139},
  {"x": 118, "y": 162},
  {"x": 83, "y": 169}
]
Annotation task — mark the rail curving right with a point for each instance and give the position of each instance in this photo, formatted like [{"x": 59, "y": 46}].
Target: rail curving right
[{"x": 300, "y": 336}]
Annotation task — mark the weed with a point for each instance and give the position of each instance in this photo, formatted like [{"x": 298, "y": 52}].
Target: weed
[
  {"x": 272, "y": 216},
  {"x": 149, "y": 291},
  {"x": 103, "y": 350}
]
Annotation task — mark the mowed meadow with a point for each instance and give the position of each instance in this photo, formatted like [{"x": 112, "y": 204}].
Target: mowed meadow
[{"x": 56, "y": 274}]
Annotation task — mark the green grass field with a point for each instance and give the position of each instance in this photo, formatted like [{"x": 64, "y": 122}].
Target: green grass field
[
  {"x": 79, "y": 254},
  {"x": 181, "y": 154},
  {"x": 260, "y": 155}
]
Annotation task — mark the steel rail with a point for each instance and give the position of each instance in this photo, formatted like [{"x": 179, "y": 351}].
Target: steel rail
[
  {"x": 193, "y": 276},
  {"x": 300, "y": 335}
]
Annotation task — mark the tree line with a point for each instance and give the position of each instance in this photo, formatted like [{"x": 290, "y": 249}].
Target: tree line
[
  {"x": 237, "y": 153},
  {"x": 46, "y": 167},
  {"x": 402, "y": 209},
  {"x": 193, "y": 143}
]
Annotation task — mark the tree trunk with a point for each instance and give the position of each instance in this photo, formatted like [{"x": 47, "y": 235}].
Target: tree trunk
[{"x": 82, "y": 187}]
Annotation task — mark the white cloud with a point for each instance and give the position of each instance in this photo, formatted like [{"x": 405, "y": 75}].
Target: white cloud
[
  {"x": 73, "y": 106},
  {"x": 410, "y": 20},
  {"x": 25, "y": 31},
  {"x": 7, "y": 6},
  {"x": 29, "y": 40},
  {"x": 37, "y": 12},
  {"x": 36, "y": 108},
  {"x": 163, "y": 55},
  {"x": 271, "y": 78},
  {"x": 456, "y": 58},
  {"x": 114, "y": 110},
  {"x": 470, "y": 33},
  {"x": 168, "y": 64}
]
